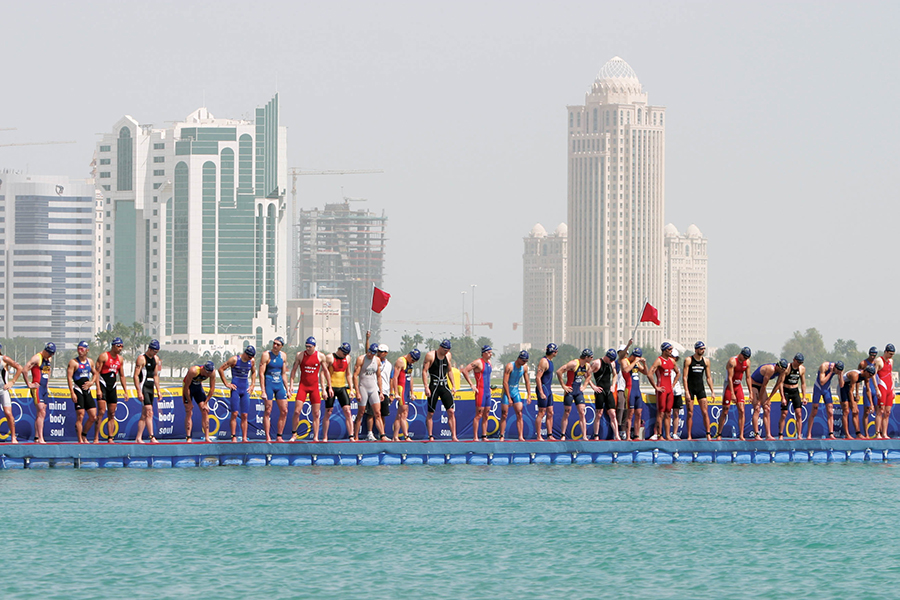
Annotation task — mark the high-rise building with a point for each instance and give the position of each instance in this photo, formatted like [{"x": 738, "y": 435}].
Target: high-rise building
[
  {"x": 684, "y": 311},
  {"x": 195, "y": 229},
  {"x": 342, "y": 257},
  {"x": 545, "y": 286},
  {"x": 47, "y": 258},
  {"x": 616, "y": 205}
]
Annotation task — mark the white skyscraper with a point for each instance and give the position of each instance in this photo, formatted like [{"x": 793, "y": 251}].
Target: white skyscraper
[
  {"x": 545, "y": 286},
  {"x": 616, "y": 206},
  {"x": 684, "y": 311},
  {"x": 195, "y": 229},
  {"x": 47, "y": 258}
]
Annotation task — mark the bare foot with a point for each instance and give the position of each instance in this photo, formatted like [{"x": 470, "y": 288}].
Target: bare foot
[
  {"x": 770, "y": 439},
  {"x": 207, "y": 440},
  {"x": 234, "y": 440},
  {"x": 521, "y": 439},
  {"x": 41, "y": 442},
  {"x": 453, "y": 439},
  {"x": 742, "y": 438},
  {"x": 138, "y": 441},
  {"x": 539, "y": 439},
  {"x": 269, "y": 440},
  {"x": 153, "y": 440}
]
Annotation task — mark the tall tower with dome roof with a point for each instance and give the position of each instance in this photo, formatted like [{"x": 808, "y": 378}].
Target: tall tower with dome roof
[{"x": 616, "y": 207}]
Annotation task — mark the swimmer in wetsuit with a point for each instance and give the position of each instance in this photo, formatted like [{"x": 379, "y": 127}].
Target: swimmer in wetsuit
[
  {"x": 481, "y": 368},
  {"x": 850, "y": 397},
  {"x": 6, "y": 385},
  {"x": 338, "y": 364},
  {"x": 271, "y": 381},
  {"x": 544, "y": 393},
  {"x": 312, "y": 367},
  {"x": 243, "y": 381},
  {"x": 192, "y": 391},
  {"x": 437, "y": 371},
  {"x": 367, "y": 383},
  {"x": 663, "y": 372},
  {"x": 796, "y": 374},
  {"x": 110, "y": 365},
  {"x": 633, "y": 366},
  {"x": 604, "y": 372},
  {"x": 146, "y": 380},
  {"x": 761, "y": 398},
  {"x": 402, "y": 390},
  {"x": 884, "y": 366},
  {"x": 822, "y": 392},
  {"x": 39, "y": 367},
  {"x": 82, "y": 376},
  {"x": 697, "y": 375},
  {"x": 870, "y": 389},
  {"x": 577, "y": 377},
  {"x": 736, "y": 369},
  {"x": 513, "y": 373}
]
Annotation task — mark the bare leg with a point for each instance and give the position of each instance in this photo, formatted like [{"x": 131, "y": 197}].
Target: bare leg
[
  {"x": 111, "y": 420},
  {"x": 741, "y": 419},
  {"x": 79, "y": 431},
  {"x": 520, "y": 426},
  {"x": 704, "y": 412},
  {"x": 451, "y": 418},
  {"x": 583, "y": 419},
  {"x": 204, "y": 424},
  {"x": 781, "y": 421},
  {"x": 7, "y": 410},
  {"x": 676, "y": 417},
  {"x": 348, "y": 420},
  {"x": 282, "y": 419},
  {"x": 767, "y": 419},
  {"x": 723, "y": 418},
  {"x": 798, "y": 416},
  {"x": 613, "y": 422},
  {"x": 829, "y": 414},
  {"x": 537, "y": 424},
  {"x": 813, "y": 410},
  {"x": 267, "y": 418},
  {"x": 565, "y": 420},
  {"x": 188, "y": 421},
  {"x": 39, "y": 422},
  {"x": 244, "y": 424},
  {"x": 639, "y": 423},
  {"x": 550, "y": 435},
  {"x": 316, "y": 411},
  {"x": 688, "y": 415},
  {"x": 90, "y": 422},
  {"x": 504, "y": 411},
  {"x": 234, "y": 418},
  {"x": 101, "y": 410}
]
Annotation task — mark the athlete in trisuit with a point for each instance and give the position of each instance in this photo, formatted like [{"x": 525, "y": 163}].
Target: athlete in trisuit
[
  {"x": 574, "y": 377},
  {"x": 870, "y": 391},
  {"x": 6, "y": 385},
  {"x": 243, "y": 381},
  {"x": 736, "y": 369},
  {"x": 146, "y": 380},
  {"x": 696, "y": 369},
  {"x": 543, "y": 382},
  {"x": 271, "y": 381},
  {"x": 796, "y": 374},
  {"x": 384, "y": 383},
  {"x": 633, "y": 366},
  {"x": 338, "y": 364},
  {"x": 366, "y": 382},
  {"x": 513, "y": 373},
  {"x": 677, "y": 397},
  {"x": 822, "y": 392},
  {"x": 437, "y": 371},
  {"x": 481, "y": 368},
  {"x": 312, "y": 367},
  {"x": 623, "y": 386},
  {"x": 82, "y": 376},
  {"x": 850, "y": 397},
  {"x": 39, "y": 367},
  {"x": 192, "y": 391},
  {"x": 402, "y": 390},
  {"x": 110, "y": 365},
  {"x": 884, "y": 366},
  {"x": 760, "y": 396},
  {"x": 663, "y": 372},
  {"x": 604, "y": 371}
]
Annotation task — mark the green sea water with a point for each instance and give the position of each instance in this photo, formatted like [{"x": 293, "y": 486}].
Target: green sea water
[{"x": 594, "y": 531}]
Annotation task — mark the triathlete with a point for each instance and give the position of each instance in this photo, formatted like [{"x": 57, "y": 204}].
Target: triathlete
[
  {"x": 850, "y": 397},
  {"x": 481, "y": 368},
  {"x": 677, "y": 398},
  {"x": 634, "y": 365},
  {"x": 662, "y": 373},
  {"x": 577, "y": 377},
  {"x": 623, "y": 386},
  {"x": 604, "y": 372},
  {"x": 437, "y": 377},
  {"x": 402, "y": 390},
  {"x": 146, "y": 380},
  {"x": 81, "y": 377},
  {"x": 736, "y": 369},
  {"x": 243, "y": 381},
  {"x": 192, "y": 391},
  {"x": 271, "y": 383},
  {"x": 543, "y": 382},
  {"x": 796, "y": 374},
  {"x": 39, "y": 367},
  {"x": 696, "y": 369},
  {"x": 312, "y": 367},
  {"x": 870, "y": 389},
  {"x": 822, "y": 391},
  {"x": 513, "y": 373},
  {"x": 338, "y": 364},
  {"x": 366, "y": 384},
  {"x": 760, "y": 396},
  {"x": 884, "y": 366},
  {"x": 110, "y": 364},
  {"x": 6, "y": 385},
  {"x": 384, "y": 381}
]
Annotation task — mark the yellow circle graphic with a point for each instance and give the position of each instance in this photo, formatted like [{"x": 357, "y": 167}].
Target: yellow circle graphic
[
  {"x": 572, "y": 435},
  {"x": 870, "y": 429},
  {"x": 115, "y": 428},
  {"x": 787, "y": 427},
  {"x": 214, "y": 418},
  {"x": 8, "y": 434},
  {"x": 713, "y": 429},
  {"x": 308, "y": 428},
  {"x": 493, "y": 424}
]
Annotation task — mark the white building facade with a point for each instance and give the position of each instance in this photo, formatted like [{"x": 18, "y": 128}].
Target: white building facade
[
  {"x": 616, "y": 206},
  {"x": 48, "y": 282},
  {"x": 545, "y": 286},
  {"x": 684, "y": 314},
  {"x": 194, "y": 229}
]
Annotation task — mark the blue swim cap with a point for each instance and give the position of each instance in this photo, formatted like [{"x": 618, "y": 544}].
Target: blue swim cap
[
  {"x": 250, "y": 351},
  {"x": 873, "y": 350},
  {"x": 745, "y": 351},
  {"x": 83, "y": 344},
  {"x": 210, "y": 366},
  {"x": 783, "y": 363},
  {"x": 280, "y": 340},
  {"x": 611, "y": 354},
  {"x": 117, "y": 342},
  {"x": 587, "y": 353},
  {"x": 486, "y": 349},
  {"x": 637, "y": 352},
  {"x": 50, "y": 347},
  {"x": 523, "y": 355},
  {"x": 551, "y": 348},
  {"x": 415, "y": 354},
  {"x": 889, "y": 348},
  {"x": 310, "y": 341},
  {"x": 345, "y": 348},
  {"x": 665, "y": 346},
  {"x": 799, "y": 357},
  {"x": 445, "y": 344},
  {"x": 373, "y": 348},
  {"x": 839, "y": 365},
  {"x": 870, "y": 369},
  {"x": 699, "y": 345},
  {"x": 153, "y": 345}
]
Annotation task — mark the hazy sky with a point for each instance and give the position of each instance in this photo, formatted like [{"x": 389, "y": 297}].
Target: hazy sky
[{"x": 782, "y": 131}]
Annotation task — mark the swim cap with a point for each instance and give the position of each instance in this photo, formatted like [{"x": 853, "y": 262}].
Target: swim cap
[
  {"x": 783, "y": 363},
  {"x": 445, "y": 344},
  {"x": 839, "y": 365},
  {"x": 889, "y": 348},
  {"x": 383, "y": 348},
  {"x": 523, "y": 355},
  {"x": 873, "y": 350},
  {"x": 50, "y": 347},
  {"x": 665, "y": 346},
  {"x": 486, "y": 349},
  {"x": 551, "y": 348},
  {"x": 280, "y": 340},
  {"x": 153, "y": 345},
  {"x": 637, "y": 352},
  {"x": 745, "y": 351},
  {"x": 210, "y": 366},
  {"x": 250, "y": 351},
  {"x": 799, "y": 357},
  {"x": 345, "y": 348},
  {"x": 83, "y": 344},
  {"x": 117, "y": 342},
  {"x": 415, "y": 354},
  {"x": 612, "y": 354},
  {"x": 310, "y": 341},
  {"x": 699, "y": 345},
  {"x": 870, "y": 369},
  {"x": 587, "y": 353},
  {"x": 373, "y": 348}
]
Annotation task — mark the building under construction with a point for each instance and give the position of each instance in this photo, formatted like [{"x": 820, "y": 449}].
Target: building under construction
[{"x": 341, "y": 256}]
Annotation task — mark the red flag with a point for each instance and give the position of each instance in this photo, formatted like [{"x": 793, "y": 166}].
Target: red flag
[
  {"x": 650, "y": 314},
  {"x": 380, "y": 299}
]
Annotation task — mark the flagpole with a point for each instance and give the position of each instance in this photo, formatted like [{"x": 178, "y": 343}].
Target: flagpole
[
  {"x": 370, "y": 308},
  {"x": 646, "y": 301}
]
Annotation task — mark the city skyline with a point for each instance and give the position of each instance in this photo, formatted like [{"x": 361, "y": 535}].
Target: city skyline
[{"x": 761, "y": 178}]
